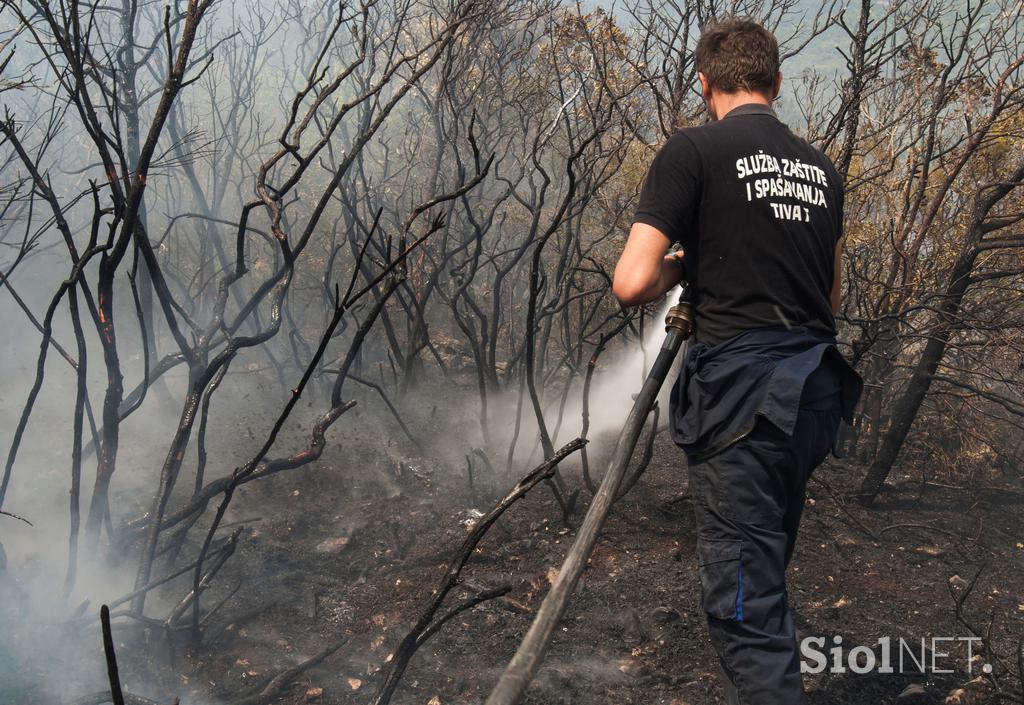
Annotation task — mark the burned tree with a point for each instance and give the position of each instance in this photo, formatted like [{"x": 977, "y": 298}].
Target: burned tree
[
  {"x": 406, "y": 212},
  {"x": 207, "y": 338},
  {"x": 935, "y": 106}
]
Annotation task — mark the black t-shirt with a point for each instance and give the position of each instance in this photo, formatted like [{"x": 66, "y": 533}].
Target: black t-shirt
[{"x": 758, "y": 212}]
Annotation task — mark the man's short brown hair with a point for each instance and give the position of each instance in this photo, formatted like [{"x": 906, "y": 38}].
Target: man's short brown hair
[{"x": 738, "y": 54}]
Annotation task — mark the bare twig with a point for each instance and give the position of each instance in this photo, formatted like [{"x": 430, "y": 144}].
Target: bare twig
[
  {"x": 15, "y": 516},
  {"x": 282, "y": 679},
  {"x": 418, "y": 633}
]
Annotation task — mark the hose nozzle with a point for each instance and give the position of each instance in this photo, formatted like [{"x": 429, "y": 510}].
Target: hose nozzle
[{"x": 680, "y": 316}]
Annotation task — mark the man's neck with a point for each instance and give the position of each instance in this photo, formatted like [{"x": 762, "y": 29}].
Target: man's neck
[{"x": 722, "y": 103}]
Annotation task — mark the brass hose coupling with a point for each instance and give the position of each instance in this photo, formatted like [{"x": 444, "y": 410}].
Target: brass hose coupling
[{"x": 680, "y": 316}]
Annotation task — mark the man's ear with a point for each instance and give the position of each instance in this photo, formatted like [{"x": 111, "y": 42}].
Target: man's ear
[
  {"x": 778, "y": 85},
  {"x": 705, "y": 87}
]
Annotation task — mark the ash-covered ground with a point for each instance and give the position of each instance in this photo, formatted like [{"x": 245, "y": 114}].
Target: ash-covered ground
[{"x": 347, "y": 551}]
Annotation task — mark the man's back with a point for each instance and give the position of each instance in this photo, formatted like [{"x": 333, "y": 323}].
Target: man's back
[
  {"x": 757, "y": 404},
  {"x": 758, "y": 212}
]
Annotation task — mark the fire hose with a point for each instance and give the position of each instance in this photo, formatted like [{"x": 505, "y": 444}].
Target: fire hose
[{"x": 521, "y": 669}]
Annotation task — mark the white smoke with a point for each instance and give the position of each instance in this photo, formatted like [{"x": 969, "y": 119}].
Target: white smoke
[{"x": 620, "y": 377}]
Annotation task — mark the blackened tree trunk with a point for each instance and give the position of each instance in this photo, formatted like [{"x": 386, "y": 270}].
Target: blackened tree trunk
[{"x": 905, "y": 409}]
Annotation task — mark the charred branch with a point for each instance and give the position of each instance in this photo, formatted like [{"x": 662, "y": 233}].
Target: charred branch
[{"x": 419, "y": 632}]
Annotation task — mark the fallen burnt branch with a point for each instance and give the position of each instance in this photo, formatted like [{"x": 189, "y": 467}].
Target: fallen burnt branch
[
  {"x": 926, "y": 527},
  {"x": 276, "y": 684},
  {"x": 217, "y": 607},
  {"x": 460, "y": 608},
  {"x": 227, "y": 545},
  {"x": 426, "y": 625},
  {"x": 199, "y": 586},
  {"x": 237, "y": 619}
]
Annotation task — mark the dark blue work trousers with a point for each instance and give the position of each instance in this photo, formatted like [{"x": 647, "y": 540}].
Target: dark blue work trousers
[{"x": 748, "y": 499}]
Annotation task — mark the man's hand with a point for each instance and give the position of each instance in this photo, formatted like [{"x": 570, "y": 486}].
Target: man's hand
[{"x": 644, "y": 272}]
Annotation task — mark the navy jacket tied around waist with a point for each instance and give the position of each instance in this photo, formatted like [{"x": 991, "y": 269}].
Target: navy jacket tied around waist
[{"x": 770, "y": 372}]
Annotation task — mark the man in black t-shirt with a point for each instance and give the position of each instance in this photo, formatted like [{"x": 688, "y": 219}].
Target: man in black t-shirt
[
  {"x": 758, "y": 214},
  {"x": 764, "y": 205}
]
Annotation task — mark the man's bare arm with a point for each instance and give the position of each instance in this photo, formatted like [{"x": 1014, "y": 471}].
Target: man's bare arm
[{"x": 644, "y": 273}]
